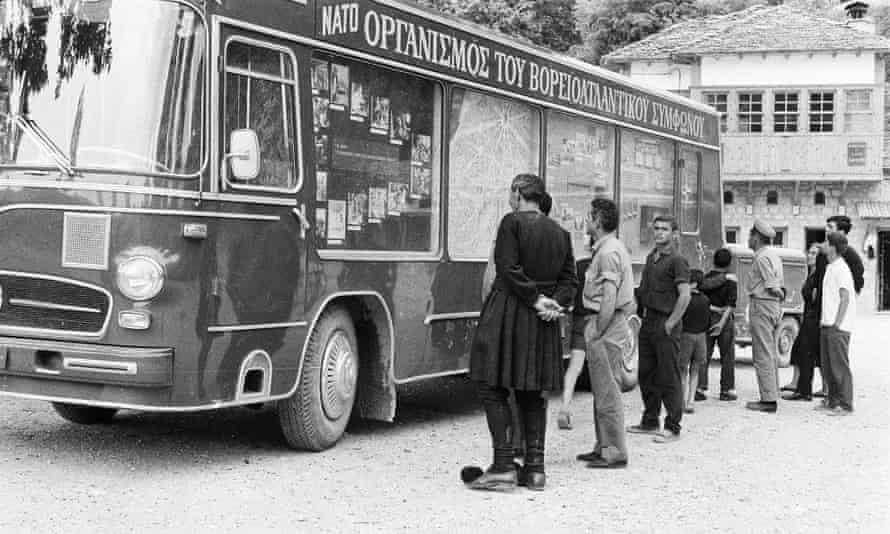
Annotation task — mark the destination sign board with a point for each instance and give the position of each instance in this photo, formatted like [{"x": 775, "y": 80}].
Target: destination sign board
[{"x": 403, "y": 36}]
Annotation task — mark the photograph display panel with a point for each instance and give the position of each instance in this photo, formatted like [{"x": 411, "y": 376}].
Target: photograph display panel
[
  {"x": 690, "y": 182},
  {"x": 492, "y": 140},
  {"x": 377, "y": 159},
  {"x": 647, "y": 189},
  {"x": 580, "y": 167}
]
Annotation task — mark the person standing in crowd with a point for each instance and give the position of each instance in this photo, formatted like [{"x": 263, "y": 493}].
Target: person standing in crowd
[
  {"x": 765, "y": 293},
  {"x": 838, "y": 311},
  {"x": 805, "y": 351},
  {"x": 694, "y": 339},
  {"x": 662, "y": 298},
  {"x": 608, "y": 295},
  {"x": 842, "y": 224},
  {"x": 517, "y": 343},
  {"x": 721, "y": 288}
]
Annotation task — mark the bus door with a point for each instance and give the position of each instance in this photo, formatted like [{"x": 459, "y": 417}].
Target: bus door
[{"x": 261, "y": 254}]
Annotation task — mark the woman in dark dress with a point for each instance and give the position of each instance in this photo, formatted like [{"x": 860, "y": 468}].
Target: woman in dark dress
[
  {"x": 805, "y": 351},
  {"x": 517, "y": 344}
]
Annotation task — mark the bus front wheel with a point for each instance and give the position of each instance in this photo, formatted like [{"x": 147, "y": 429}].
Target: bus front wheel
[
  {"x": 315, "y": 416},
  {"x": 785, "y": 337},
  {"x": 84, "y": 415}
]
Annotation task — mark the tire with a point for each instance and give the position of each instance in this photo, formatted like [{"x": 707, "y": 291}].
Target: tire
[
  {"x": 315, "y": 416},
  {"x": 84, "y": 415},
  {"x": 785, "y": 336}
]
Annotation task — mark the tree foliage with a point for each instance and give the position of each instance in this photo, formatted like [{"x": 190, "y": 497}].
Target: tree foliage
[{"x": 548, "y": 23}]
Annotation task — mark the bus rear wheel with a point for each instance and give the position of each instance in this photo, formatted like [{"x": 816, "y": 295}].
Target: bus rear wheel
[
  {"x": 315, "y": 416},
  {"x": 785, "y": 337},
  {"x": 84, "y": 415}
]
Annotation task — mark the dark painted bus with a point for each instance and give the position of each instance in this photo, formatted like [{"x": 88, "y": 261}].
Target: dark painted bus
[{"x": 217, "y": 203}]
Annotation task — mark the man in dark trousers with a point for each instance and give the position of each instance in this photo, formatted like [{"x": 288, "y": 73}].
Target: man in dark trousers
[
  {"x": 721, "y": 288},
  {"x": 662, "y": 297},
  {"x": 842, "y": 224}
]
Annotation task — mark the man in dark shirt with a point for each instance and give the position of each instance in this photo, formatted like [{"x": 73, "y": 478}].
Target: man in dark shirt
[
  {"x": 721, "y": 288},
  {"x": 662, "y": 299},
  {"x": 842, "y": 224}
]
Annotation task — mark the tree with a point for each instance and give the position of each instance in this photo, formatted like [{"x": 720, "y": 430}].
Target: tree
[{"x": 548, "y": 23}]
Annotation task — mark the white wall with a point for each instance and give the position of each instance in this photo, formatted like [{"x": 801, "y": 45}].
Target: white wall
[
  {"x": 796, "y": 69},
  {"x": 662, "y": 75}
]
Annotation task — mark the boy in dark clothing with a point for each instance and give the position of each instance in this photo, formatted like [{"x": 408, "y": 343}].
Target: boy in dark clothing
[
  {"x": 693, "y": 340},
  {"x": 721, "y": 288}
]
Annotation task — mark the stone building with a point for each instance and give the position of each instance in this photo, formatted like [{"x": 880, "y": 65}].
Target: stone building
[{"x": 803, "y": 127}]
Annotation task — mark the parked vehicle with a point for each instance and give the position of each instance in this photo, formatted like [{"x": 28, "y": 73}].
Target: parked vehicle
[{"x": 794, "y": 264}]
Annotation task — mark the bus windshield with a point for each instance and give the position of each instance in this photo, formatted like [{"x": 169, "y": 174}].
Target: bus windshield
[{"x": 105, "y": 85}]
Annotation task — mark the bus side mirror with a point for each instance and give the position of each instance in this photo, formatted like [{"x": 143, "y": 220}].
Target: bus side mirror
[{"x": 244, "y": 155}]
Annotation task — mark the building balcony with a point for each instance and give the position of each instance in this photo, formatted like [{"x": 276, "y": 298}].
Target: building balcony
[{"x": 828, "y": 157}]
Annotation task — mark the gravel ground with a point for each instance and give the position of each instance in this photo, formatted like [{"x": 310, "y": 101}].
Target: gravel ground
[{"x": 228, "y": 471}]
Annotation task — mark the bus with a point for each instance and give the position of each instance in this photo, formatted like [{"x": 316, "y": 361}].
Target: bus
[{"x": 210, "y": 204}]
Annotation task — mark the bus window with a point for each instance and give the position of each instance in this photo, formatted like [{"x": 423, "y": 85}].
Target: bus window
[
  {"x": 376, "y": 156},
  {"x": 647, "y": 188},
  {"x": 690, "y": 184},
  {"x": 580, "y": 166},
  {"x": 492, "y": 140},
  {"x": 260, "y": 93}
]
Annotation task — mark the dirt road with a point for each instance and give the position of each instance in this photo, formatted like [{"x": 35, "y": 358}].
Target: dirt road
[{"x": 733, "y": 471}]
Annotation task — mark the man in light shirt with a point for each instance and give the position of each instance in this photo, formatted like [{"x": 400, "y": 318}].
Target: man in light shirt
[{"x": 838, "y": 310}]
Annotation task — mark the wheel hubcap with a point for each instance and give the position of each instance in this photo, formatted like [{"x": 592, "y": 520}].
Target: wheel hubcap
[
  {"x": 785, "y": 341},
  {"x": 338, "y": 377}
]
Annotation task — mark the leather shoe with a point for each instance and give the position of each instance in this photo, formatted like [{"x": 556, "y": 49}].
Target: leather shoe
[
  {"x": 819, "y": 394},
  {"x": 640, "y": 429},
  {"x": 788, "y": 387},
  {"x": 758, "y": 406},
  {"x": 589, "y": 456},
  {"x": 494, "y": 481},
  {"x": 533, "y": 480},
  {"x": 797, "y": 397},
  {"x": 728, "y": 396},
  {"x": 601, "y": 463},
  {"x": 700, "y": 395}
]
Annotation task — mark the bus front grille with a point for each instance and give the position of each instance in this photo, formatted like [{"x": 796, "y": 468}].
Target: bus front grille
[{"x": 38, "y": 303}]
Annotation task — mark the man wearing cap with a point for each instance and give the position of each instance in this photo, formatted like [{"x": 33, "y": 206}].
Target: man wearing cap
[{"x": 765, "y": 292}]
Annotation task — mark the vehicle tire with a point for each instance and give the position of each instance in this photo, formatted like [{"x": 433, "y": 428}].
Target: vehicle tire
[
  {"x": 84, "y": 415},
  {"x": 785, "y": 336},
  {"x": 315, "y": 416}
]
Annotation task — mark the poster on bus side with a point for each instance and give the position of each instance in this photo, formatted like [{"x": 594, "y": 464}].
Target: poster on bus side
[
  {"x": 380, "y": 115},
  {"x": 321, "y": 186},
  {"x": 320, "y": 112},
  {"x": 396, "y": 198},
  {"x": 400, "y": 130},
  {"x": 320, "y": 77},
  {"x": 321, "y": 223},
  {"x": 339, "y": 87},
  {"x": 376, "y": 204},
  {"x": 420, "y": 150},
  {"x": 356, "y": 211},
  {"x": 421, "y": 182},
  {"x": 358, "y": 104},
  {"x": 336, "y": 221}
]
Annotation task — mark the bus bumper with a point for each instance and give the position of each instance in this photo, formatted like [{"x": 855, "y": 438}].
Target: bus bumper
[{"x": 80, "y": 370}]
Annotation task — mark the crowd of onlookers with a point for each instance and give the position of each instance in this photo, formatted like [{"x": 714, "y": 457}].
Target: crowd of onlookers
[{"x": 668, "y": 325}]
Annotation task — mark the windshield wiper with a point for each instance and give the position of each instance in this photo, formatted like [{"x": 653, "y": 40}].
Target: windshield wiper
[{"x": 45, "y": 142}]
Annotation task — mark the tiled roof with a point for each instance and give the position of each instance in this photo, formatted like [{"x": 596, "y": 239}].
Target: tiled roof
[
  {"x": 873, "y": 209},
  {"x": 758, "y": 28}
]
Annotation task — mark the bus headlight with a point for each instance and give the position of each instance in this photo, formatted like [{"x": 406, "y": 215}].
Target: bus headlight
[{"x": 140, "y": 278}]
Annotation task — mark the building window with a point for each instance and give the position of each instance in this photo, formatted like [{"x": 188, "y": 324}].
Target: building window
[
  {"x": 785, "y": 112},
  {"x": 819, "y": 198},
  {"x": 857, "y": 112},
  {"x": 728, "y": 197},
  {"x": 772, "y": 197},
  {"x": 856, "y": 153},
  {"x": 719, "y": 102},
  {"x": 732, "y": 235},
  {"x": 779, "y": 240},
  {"x": 822, "y": 111},
  {"x": 750, "y": 112}
]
